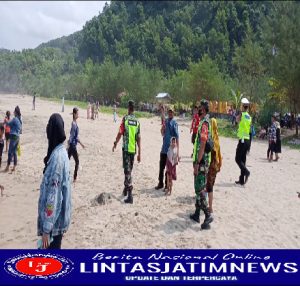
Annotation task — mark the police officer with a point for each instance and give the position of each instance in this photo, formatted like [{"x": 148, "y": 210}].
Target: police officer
[
  {"x": 201, "y": 166},
  {"x": 244, "y": 120},
  {"x": 130, "y": 130}
]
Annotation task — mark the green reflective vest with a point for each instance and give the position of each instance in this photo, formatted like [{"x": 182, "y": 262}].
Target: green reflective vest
[
  {"x": 206, "y": 156},
  {"x": 244, "y": 126},
  {"x": 132, "y": 129}
]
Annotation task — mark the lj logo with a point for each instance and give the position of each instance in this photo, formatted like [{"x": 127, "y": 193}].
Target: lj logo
[{"x": 45, "y": 266}]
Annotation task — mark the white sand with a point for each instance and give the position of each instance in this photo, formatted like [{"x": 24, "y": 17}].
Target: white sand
[{"x": 264, "y": 214}]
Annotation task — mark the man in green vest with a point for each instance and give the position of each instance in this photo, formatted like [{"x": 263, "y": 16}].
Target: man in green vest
[
  {"x": 244, "y": 120},
  {"x": 201, "y": 166},
  {"x": 130, "y": 130}
]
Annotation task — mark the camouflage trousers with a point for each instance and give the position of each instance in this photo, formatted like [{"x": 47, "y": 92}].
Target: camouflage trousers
[
  {"x": 200, "y": 186},
  {"x": 128, "y": 160}
]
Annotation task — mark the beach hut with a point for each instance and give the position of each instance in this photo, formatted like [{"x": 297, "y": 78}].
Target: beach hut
[{"x": 163, "y": 97}]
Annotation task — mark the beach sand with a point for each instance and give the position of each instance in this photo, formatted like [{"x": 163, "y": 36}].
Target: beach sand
[{"x": 263, "y": 214}]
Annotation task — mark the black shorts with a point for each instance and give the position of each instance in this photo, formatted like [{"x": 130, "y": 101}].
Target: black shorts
[
  {"x": 6, "y": 136},
  {"x": 194, "y": 137}
]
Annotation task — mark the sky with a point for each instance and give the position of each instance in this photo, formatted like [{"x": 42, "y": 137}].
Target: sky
[{"x": 27, "y": 24}]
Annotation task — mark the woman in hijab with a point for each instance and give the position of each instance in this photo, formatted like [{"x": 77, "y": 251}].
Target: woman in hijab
[
  {"x": 15, "y": 130},
  {"x": 215, "y": 163},
  {"x": 54, "y": 208},
  {"x": 278, "y": 141}
]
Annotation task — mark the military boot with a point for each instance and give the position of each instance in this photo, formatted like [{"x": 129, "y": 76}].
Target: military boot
[
  {"x": 129, "y": 199},
  {"x": 196, "y": 215},
  {"x": 208, "y": 219}
]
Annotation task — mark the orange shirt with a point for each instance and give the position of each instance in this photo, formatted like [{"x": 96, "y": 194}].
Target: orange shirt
[{"x": 6, "y": 126}]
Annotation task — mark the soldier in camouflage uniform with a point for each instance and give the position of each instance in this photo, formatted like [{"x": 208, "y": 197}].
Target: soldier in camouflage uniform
[
  {"x": 130, "y": 130},
  {"x": 201, "y": 165}
]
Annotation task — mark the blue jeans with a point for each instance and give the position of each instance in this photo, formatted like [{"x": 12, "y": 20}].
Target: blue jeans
[{"x": 12, "y": 150}]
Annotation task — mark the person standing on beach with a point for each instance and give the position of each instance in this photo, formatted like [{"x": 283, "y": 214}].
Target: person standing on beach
[
  {"x": 73, "y": 140},
  {"x": 15, "y": 130},
  {"x": 169, "y": 130},
  {"x": 201, "y": 165},
  {"x": 130, "y": 130},
  {"x": 215, "y": 163},
  {"x": 272, "y": 139},
  {"x": 54, "y": 206},
  {"x": 195, "y": 124},
  {"x": 244, "y": 120},
  {"x": 7, "y": 129},
  {"x": 33, "y": 101},
  {"x": 278, "y": 140},
  {"x": 63, "y": 104},
  {"x": 93, "y": 110},
  {"x": 97, "y": 110},
  {"x": 115, "y": 112},
  {"x": 89, "y": 111},
  {"x": 1, "y": 142}
]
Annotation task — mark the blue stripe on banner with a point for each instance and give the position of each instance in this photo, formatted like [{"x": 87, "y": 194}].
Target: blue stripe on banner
[{"x": 150, "y": 267}]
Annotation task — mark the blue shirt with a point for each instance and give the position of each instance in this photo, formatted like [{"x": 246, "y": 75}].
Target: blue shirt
[
  {"x": 15, "y": 126},
  {"x": 74, "y": 134},
  {"x": 170, "y": 131},
  {"x": 54, "y": 209}
]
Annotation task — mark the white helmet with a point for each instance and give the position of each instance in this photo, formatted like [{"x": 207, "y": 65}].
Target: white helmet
[{"x": 245, "y": 101}]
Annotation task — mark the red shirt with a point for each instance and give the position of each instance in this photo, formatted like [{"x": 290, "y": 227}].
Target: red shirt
[{"x": 195, "y": 123}]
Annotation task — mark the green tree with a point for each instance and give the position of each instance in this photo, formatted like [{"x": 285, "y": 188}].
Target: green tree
[
  {"x": 282, "y": 35},
  {"x": 249, "y": 69}
]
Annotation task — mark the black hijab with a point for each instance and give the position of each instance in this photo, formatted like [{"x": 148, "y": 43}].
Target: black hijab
[{"x": 55, "y": 134}]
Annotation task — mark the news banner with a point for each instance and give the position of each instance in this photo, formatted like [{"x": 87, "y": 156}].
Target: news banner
[{"x": 150, "y": 267}]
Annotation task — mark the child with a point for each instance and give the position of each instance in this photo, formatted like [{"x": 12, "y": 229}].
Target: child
[
  {"x": 74, "y": 139},
  {"x": 171, "y": 165},
  {"x": 115, "y": 113},
  {"x": 7, "y": 129},
  {"x": 1, "y": 142}
]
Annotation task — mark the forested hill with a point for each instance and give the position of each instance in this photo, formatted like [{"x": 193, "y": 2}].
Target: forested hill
[
  {"x": 167, "y": 34},
  {"x": 65, "y": 43},
  {"x": 192, "y": 49}
]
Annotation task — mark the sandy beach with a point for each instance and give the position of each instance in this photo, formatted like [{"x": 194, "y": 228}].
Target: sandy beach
[{"x": 263, "y": 214}]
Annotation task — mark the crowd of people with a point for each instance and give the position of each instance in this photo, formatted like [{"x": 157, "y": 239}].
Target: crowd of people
[{"x": 54, "y": 207}]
